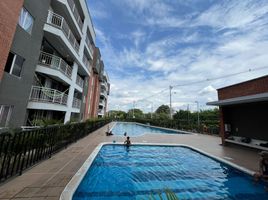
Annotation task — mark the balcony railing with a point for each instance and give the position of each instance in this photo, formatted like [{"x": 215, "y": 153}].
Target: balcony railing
[
  {"x": 58, "y": 21},
  {"x": 76, "y": 103},
  {"x": 102, "y": 102},
  {"x": 79, "y": 81},
  {"x": 76, "y": 14},
  {"x": 55, "y": 62},
  {"x": 90, "y": 46},
  {"x": 104, "y": 84},
  {"x": 101, "y": 112},
  {"x": 87, "y": 62},
  {"x": 43, "y": 94}
]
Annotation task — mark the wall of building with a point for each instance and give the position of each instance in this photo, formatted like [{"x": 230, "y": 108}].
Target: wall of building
[
  {"x": 247, "y": 120},
  {"x": 15, "y": 90},
  {"x": 95, "y": 96},
  {"x": 9, "y": 14},
  {"x": 87, "y": 110},
  {"x": 251, "y": 87}
]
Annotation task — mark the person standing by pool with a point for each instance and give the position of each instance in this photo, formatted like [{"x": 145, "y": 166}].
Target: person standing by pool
[{"x": 127, "y": 142}]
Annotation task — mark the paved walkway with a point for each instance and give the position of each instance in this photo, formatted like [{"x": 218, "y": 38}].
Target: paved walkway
[{"x": 48, "y": 179}]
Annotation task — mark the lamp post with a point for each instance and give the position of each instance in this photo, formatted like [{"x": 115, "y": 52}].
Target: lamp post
[
  {"x": 152, "y": 108},
  {"x": 198, "y": 121},
  {"x": 170, "y": 105},
  {"x": 133, "y": 116}
]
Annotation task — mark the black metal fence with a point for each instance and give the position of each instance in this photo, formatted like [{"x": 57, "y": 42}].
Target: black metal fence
[{"x": 23, "y": 149}]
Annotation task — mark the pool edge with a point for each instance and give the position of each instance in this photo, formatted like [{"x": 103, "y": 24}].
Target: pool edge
[{"x": 70, "y": 188}]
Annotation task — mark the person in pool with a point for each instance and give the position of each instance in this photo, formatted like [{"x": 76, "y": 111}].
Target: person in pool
[
  {"x": 127, "y": 142},
  {"x": 125, "y": 134},
  {"x": 263, "y": 168}
]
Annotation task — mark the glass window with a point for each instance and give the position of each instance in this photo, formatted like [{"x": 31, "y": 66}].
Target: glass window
[
  {"x": 26, "y": 20},
  {"x": 14, "y": 64},
  {"x": 17, "y": 65},
  {"x": 5, "y": 114}
]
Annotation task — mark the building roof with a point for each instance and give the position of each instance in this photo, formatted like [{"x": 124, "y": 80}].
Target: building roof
[
  {"x": 251, "y": 80},
  {"x": 240, "y": 100}
]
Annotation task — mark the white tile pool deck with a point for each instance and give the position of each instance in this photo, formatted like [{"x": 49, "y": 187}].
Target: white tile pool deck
[{"x": 48, "y": 179}]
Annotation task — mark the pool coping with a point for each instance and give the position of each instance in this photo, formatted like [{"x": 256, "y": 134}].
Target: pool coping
[
  {"x": 159, "y": 127},
  {"x": 70, "y": 188}
]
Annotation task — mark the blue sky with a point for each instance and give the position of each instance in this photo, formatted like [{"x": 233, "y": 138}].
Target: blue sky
[{"x": 147, "y": 45}]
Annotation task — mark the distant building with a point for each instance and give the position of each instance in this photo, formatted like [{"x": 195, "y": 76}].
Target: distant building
[
  {"x": 47, "y": 51},
  {"x": 244, "y": 113},
  {"x": 98, "y": 90}
]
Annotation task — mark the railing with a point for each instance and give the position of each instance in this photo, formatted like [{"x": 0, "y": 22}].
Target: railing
[
  {"x": 58, "y": 21},
  {"x": 87, "y": 63},
  {"x": 102, "y": 102},
  {"x": 104, "y": 84},
  {"x": 101, "y": 112},
  {"x": 76, "y": 103},
  {"x": 103, "y": 92},
  {"x": 43, "y": 94},
  {"x": 76, "y": 14},
  {"x": 79, "y": 81},
  {"x": 23, "y": 149},
  {"x": 55, "y": 62},
  {"x": 90, "y": 46}
]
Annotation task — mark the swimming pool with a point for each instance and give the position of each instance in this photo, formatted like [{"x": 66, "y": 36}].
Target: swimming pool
[
  {"x": 139, "y": 171},
  {"x": 135, "y": 129}
]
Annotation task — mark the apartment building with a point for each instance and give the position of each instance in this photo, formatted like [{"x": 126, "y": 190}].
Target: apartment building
[
  {"x": 98, "y": 90},
  {"x": 48, "y": 56},
  {"x": 104, "y": 92}
]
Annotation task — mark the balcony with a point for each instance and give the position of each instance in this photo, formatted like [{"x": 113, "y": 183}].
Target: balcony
[
  {"x": 76, "y": 103},
  {"x": 79, "y": 81},
  {"x": 104, "y": 84},
  {"x": 56, "y": 63},
  {"x": 103, "y": 93},
  {"x": 102, "y": 102},
  {"x": 48, "y": 95},
  {"x": 90, "y": 46},
  {"x": 87, "y": 63},
  {"x": 59, "y": 22},
  {"x": 100, "y": 112},
  {"x": 76, "y": 14}
]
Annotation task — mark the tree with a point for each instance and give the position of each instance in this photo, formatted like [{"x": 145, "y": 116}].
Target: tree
[
  {"x": 137, "y": 113},
  {"x": 163, "y": 109},
  {"x": 119, "y": 114}
]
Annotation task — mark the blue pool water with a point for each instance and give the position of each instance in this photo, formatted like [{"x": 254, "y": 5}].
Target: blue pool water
[
  {"x": 134, "y": 129},
  {"x": 140, "y": 171}
]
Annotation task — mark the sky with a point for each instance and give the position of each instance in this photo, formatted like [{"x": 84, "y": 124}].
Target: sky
[{"x": 148, "y": 45}]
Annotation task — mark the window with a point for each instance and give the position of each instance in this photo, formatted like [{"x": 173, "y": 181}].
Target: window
[
  {"x": 14, "y": 64},
  {"x": 26, "y": 20},
  {"x": 5, "y": 114}
]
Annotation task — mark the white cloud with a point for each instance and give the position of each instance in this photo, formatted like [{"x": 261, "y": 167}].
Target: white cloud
[
  {"x": 238, "y": 41},
  {"x": 207, "y": 90}
]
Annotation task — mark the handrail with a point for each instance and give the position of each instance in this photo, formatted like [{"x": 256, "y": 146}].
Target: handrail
[
  {"x": 87, "y": 63},
  {"x": 43, "y": 94},
  {"x": 79, "y": 81},
  {"x": 90, "y": 46},
  {"x": 55, "y": 62},
  {"x": 76, "y": 103},
  {"x": 76, "y": 14},
  {"x": 59, "y": 21}
]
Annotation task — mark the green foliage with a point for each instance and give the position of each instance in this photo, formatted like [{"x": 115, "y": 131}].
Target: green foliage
[
  {"x": 117, "y": 114},
  {"x": 46, "y": 122},
  {"x": 137, "y": 113},
  {"x": 163, "y": 109}
]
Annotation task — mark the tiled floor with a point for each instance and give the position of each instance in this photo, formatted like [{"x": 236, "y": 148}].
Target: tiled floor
[{"x": 48, "y": 179}]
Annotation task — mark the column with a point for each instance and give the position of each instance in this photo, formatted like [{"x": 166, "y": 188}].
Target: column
[{"x": 71, "y": 94}]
